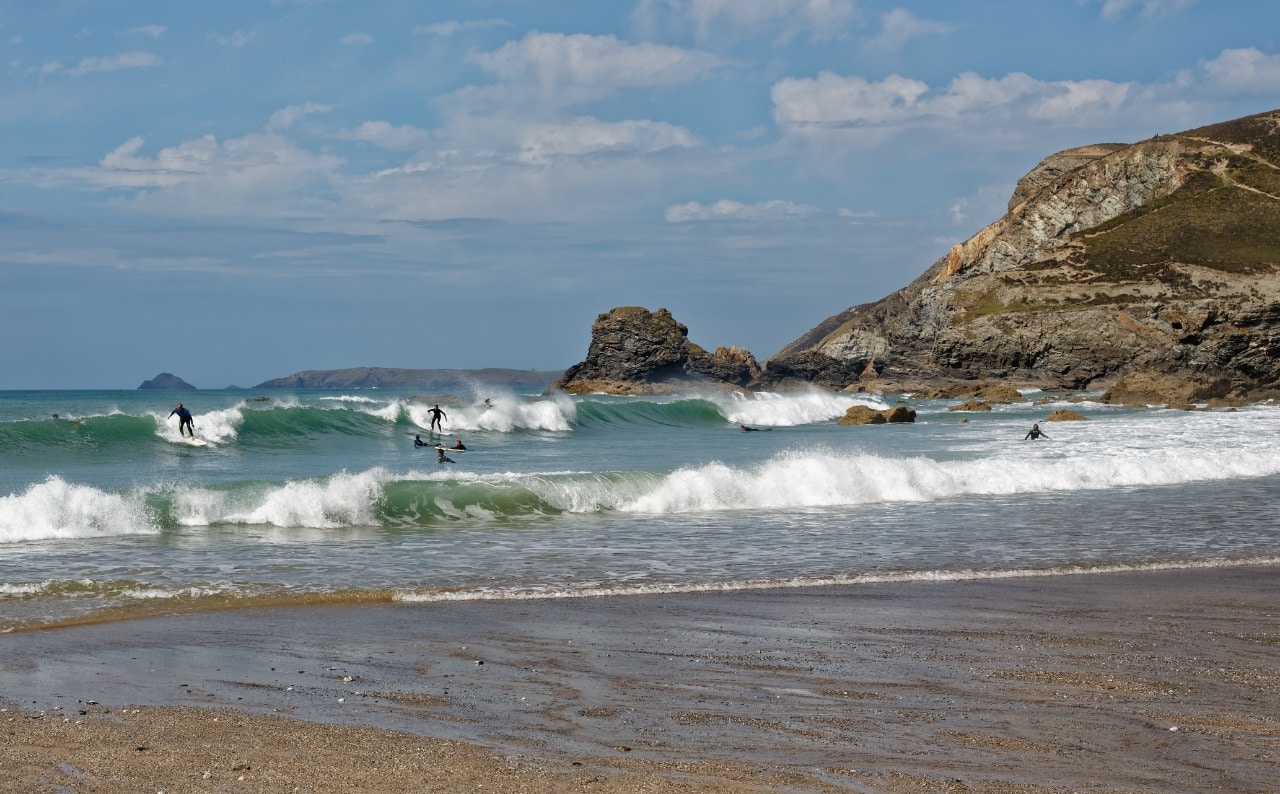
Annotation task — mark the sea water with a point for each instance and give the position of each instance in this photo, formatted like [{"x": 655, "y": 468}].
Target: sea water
[{"x": 321, "y": 496}]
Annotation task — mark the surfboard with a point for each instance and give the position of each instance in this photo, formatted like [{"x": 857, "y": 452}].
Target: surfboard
[
  {"x": 451, "y": 449},
  {"x": 195, "y": 442}
]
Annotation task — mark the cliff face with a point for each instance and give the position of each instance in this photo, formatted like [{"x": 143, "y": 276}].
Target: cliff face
[
  {"x": 635, "y": 351},
  {"x": 1157, "y": 257}
]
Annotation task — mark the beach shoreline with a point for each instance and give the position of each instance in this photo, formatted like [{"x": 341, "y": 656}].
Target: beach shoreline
[{"x": 1138, "y": 681}]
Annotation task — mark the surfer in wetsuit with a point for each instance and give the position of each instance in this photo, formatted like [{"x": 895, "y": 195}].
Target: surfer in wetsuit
[
  {"x": 459, "y": 445},
  {"x": 184, "y": 420},
  {"x": 436, "y": 415},
  {"x": 440, "y": 456},
  {"x": 418, "y": 442},
  {"x": 1035, "y": 434}
]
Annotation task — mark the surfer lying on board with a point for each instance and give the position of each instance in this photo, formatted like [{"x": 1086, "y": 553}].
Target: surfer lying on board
[
  {"x": 1035, "y": 434},
  {"x": 418, "y": 442},
  {"x": 746, "y": 429},
  {"x": 436, "y": 415},
  {"x": 440, "y": 456},
  {"x": 184, "y": 420}
]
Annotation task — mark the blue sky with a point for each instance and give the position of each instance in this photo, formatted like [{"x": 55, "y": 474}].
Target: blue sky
[{"x": 237, "y": 191}]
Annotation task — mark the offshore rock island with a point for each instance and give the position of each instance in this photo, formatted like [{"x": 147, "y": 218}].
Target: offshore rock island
[{"x": 1151, "y": 269}]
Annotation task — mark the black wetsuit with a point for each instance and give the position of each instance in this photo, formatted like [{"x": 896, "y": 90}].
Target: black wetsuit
[{"x": 184, "y": 420}]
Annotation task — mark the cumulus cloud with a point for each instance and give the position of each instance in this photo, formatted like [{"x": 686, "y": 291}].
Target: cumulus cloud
[
  {"x": 730, "y": 210},
  {"x": 1148, "y": 9},
  {"x": 781, "y": 20},
  {"x": 286, "y": 117},
  {"x": 1244, "y": 71},
  {"x": 579, "y": 67},
  {"x": 392, "y": 137},
  {"x": 899, "y": 26},
  {"x": 835, "y": 101},
  {"x": 585, "y": 136}
]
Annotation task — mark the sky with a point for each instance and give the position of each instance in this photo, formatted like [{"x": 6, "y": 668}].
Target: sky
[{"x": 238, "y": 191}]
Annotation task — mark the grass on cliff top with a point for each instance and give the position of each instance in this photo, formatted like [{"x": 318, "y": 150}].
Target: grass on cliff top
[
  {"x": 1207, "y": 222},
  {"x": 1259, "y": 131}
]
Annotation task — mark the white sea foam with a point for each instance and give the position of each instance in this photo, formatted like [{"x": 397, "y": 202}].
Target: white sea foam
[
  {"x": 789, "y": 410},
  {"x": 56, "y": 509},
  {"x": 217, "y": 426},
  {"x": 504, "y": 413},
  {"x": 824, "y": 479},
  {"x": 338, "y": 501}
]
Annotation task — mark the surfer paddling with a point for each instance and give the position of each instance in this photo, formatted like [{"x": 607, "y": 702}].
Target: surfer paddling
[
  {"x": 184, "y": 420},
  {"x": 441, "y": 457}
]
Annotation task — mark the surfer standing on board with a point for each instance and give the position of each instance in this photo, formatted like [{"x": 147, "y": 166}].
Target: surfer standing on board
[
  {"x": 184, "y": 420},
  {"x": 1035, "y": 434},
  {"x": 436, "y": 415}
]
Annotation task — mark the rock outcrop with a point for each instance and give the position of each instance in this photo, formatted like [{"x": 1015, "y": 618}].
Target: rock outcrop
[
  {"x": 635, "y": 351},
  {"x": 863, "y": 415},
  {"x": 165, "y": 380},
  {"x": 1160, "y": 257}
]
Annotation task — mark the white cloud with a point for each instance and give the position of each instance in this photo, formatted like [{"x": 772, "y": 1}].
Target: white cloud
[
  {"x": 782, "y": 20},
  {"x": 544, "y": 143},
  {"x": 356, "y": 38},
  {"x": 576, "y": 68},
  {"x": 107, "y": 63},
  {"x": 453, "y": 27},
  {"x": 1244, "y": 71},
  {"x": 1149, "y": 9},
  {"x": 247, "y": 175},
  {"x": 392, "y": 137},
  {"x": 899, "y": 26},
  {"x": 153, "y": 31},
  {"x": 236, "y": 40},
  {"x": 730, "y": 210},
  {"x": 833, "y": 101},
  {"x": 286, "y": 117}
]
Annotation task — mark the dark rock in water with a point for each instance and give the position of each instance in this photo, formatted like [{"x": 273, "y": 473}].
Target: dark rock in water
[
  {"x": 635, "y": 351},
  {"x": 166, "y": 380},
  {"x": 1154, "y": 261},
  {"x": 863, "y": 415}
]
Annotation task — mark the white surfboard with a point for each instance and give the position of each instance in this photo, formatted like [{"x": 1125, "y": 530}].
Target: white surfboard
[{"x": 195, "y": 442}]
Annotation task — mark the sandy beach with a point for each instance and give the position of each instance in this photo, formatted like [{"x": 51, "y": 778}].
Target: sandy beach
[{"x": 1152, "y": 681}]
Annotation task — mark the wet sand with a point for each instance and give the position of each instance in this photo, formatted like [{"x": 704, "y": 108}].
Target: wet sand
[{"x": 1154, "y": 681}]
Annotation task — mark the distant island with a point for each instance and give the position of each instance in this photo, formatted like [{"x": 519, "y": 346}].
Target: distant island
[
  {"x": 166, "y": 380},
  {"x": 390, "y": 378}
]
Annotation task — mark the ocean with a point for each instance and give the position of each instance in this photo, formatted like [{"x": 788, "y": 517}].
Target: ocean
[{"x": 321, "y": 497}]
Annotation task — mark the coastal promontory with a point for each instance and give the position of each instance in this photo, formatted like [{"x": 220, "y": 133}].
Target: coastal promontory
[{"x": 1155, "y": 262}]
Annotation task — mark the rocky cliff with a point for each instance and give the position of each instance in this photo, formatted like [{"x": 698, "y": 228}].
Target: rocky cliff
[
  {"x": 1159, "y": 258},
  {"x": 635, "y": 351}
]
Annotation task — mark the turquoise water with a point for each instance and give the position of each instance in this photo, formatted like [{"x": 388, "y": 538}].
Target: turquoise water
[{"x": 321, "y": 495}]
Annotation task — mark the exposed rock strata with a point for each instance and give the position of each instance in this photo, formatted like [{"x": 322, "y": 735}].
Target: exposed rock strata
[
  {"x": 635, "y": 351},
  {"x": 1160, "y": 257}
]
